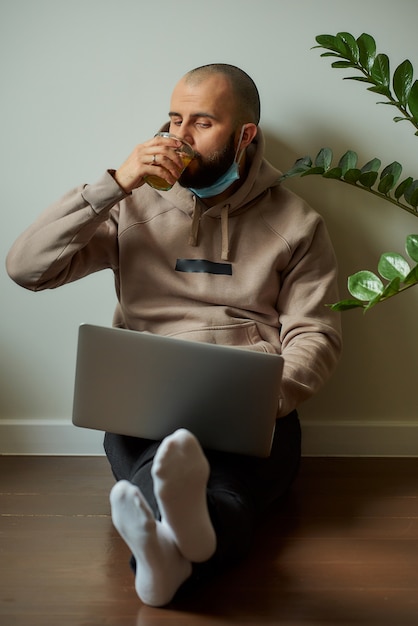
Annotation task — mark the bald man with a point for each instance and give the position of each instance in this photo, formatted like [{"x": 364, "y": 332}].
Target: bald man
[{"x": 227, "y": 256}]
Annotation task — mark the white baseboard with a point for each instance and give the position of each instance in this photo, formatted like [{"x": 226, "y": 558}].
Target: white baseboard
[
  {"x": 348, "y": 438},
  {"x": 48, "y": 437}
]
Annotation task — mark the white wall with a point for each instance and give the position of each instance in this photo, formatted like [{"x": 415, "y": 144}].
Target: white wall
[{"x": 83, "y": 81}]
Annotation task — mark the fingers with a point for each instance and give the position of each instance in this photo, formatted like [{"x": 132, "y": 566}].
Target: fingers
[
  {"x": 162, "y": 153},
  {"x": 155, "y": 157}
]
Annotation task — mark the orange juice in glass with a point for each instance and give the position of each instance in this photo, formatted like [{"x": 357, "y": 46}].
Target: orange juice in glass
[{"x": 185, "y": 151}]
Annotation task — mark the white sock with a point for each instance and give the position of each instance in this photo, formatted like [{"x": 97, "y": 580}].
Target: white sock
[
  {"x": 160, "y": 568},
  {"x": 180, "y": 472}
]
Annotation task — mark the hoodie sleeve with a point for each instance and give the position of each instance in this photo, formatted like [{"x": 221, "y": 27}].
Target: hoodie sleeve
[
  {"x": 310, "y": 332},
  {"x": 74, "y": 237}
]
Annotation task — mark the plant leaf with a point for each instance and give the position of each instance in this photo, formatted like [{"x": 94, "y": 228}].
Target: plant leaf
[
  {"x": 402, "y": 81},
  {"x": 360, "y": 79},
  {"x": 371, "y": 166},
  {"x": 348, "y": 161},
  {"x": 352, "y": 176},
  {"x": 389, "y": 104},
  {"x": 368, "y": 179},
  {"x": 413, "y": 201},
  {"x": 342, "y": 64},
  {"x": 333, "y": 172},
  {"x": 411, "y": 246},
  {"x": 410, "y": 192},
  {"x": 365, "y": 285},
  {"x": 329, "y": 54},
  {"x": 312, "y": 171},
  {"x": 386, "y": 183},
  {"x": 412, "y": 278},
  {"x": 324, "y": 158},
  {"x": 300, "y": 165},
  {"x": 351, "y": 45},
  {"x": 413, "y": 100},
  {"x": 400, "y": 189},
  {"x": 391, "y": 288},
  {"x": 380, "y": 71},
  {"x": 367, "y": 51},
  {"x": 389, "y": 177},
  {"x": 330, "y": 42},
  {"x": 394, "y": 168},
  {"x": 393, "y": 265},
  {"x": 345, "y": 305},
  {"x": 380, "y": 89}
]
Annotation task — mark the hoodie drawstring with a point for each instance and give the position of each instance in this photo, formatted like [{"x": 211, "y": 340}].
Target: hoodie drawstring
[
  {"x": 197, "y": 212},
  {"x": 194, "y": 230},
  {"x": 225, "y": 233}
]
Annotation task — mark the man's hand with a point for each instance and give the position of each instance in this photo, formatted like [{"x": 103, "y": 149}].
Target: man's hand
[{"x": 156, "y": 157}]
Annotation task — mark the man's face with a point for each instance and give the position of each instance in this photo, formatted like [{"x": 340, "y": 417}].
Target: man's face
[
  {"x": 209, "y": 169},
  {"x": 202, "y": 113}
]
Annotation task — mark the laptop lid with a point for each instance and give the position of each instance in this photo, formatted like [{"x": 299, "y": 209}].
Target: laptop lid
[{"x": 147, "y": 385}]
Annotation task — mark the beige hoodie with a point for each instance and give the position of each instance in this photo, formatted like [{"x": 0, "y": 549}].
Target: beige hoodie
[{"x": 255, "y": 272}]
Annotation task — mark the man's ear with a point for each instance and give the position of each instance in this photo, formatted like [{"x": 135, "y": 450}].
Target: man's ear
[{"x": 250, "y": 131}]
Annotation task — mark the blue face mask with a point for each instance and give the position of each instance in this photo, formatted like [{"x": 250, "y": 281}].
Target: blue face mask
[{"x": 224, "y": 181}]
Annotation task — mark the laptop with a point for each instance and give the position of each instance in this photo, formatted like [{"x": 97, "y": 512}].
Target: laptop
[{"x": 146, "y": 385}]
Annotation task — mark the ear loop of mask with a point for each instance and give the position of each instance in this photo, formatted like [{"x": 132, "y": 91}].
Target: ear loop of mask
[{"x": 238, "y": 146}]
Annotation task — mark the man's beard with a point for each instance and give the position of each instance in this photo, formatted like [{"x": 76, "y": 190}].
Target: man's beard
[{"x": 210, "y": 168}]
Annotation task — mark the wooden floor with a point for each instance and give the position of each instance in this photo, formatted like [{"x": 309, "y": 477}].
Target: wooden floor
[{"x": 342, "y": 551}]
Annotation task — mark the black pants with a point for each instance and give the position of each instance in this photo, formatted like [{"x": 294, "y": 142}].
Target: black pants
[{"x": 240, "y": 488}]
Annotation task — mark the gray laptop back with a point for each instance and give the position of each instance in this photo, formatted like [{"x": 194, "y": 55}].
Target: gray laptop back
[{"x": 146, "y": 385}]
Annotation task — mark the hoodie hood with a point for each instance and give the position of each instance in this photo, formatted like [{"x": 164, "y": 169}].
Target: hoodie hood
[{"x": 261, "y": 175}]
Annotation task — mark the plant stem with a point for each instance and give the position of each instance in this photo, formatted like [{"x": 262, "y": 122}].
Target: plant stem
[
  {"x": 409, "y": 209},
  {"x": 398, "y": 292}
]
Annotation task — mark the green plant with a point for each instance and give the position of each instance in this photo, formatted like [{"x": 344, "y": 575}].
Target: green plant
[{"x": 400, "y": 91}]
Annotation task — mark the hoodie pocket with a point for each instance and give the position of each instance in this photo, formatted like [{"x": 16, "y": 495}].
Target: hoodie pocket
[{"x": 240, "y": 335}]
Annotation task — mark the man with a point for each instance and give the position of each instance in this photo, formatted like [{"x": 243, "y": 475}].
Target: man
[{"x": 226, "y": 256}]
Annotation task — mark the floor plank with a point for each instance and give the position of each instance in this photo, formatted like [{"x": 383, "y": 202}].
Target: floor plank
[{"x": 342, "y": 551}]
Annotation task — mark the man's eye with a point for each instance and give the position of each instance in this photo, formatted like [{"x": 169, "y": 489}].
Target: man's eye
[{"x": 203, "y": 125}]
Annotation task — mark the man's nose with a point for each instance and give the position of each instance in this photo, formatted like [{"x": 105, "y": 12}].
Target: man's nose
[{"x": 184, "y": 133}]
